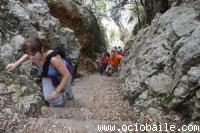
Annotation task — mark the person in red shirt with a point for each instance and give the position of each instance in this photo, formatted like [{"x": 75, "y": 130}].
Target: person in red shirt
[
  {"x": 113, "y": 63},
  {"x": 104, "y": 62},
  {"x": 120, "y": 51}
]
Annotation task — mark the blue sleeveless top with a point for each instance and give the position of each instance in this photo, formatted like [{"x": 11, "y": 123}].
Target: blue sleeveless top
[{"x": 52, "y": 72}]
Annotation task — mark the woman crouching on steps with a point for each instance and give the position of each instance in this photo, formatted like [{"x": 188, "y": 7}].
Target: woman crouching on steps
[{"x": 50, "y": 65}]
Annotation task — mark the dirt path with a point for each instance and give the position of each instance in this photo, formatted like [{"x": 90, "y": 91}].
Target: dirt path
[{"x": 96, "y": 102}]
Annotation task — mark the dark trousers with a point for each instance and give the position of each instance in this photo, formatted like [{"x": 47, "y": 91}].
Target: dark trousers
[{"x": 102, "y": 69}]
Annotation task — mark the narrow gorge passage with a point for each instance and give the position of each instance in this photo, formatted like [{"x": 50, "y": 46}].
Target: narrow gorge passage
[{"x": 96, "y": 101}]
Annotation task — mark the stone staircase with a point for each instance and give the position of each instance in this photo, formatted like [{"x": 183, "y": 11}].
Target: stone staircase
[{"x": 96, "y": 102}]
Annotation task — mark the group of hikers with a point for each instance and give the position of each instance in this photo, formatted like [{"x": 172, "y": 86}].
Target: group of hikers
[
  {"x": 110, "y": 62},
  {"x": 55, "y": 69}
]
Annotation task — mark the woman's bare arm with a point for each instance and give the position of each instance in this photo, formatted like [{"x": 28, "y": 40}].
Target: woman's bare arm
[
  {"x": 24, "y": 58},
  {"x": 12, "y": 66}
]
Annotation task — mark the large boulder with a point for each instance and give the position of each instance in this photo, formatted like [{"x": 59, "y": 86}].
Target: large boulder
[
  {"x": 19, "y": 98},
  {"x": 82, "y": 21},
  {"x": 24, "y": 94},
  {"x": 33, "y": 19},
  {"x": 162, "y": 65},
  {"x": 86, "y": 27},
  {"x": 18, "y": 21}
]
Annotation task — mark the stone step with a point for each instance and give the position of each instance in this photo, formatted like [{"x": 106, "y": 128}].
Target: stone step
[
  {"x": 82, "y": 113},
  {"x": 96, "y": 93},
  {"x": 89, "y": 92},
  {"x": 50, "y": 125},
  {"x": 94, "y": 102}
]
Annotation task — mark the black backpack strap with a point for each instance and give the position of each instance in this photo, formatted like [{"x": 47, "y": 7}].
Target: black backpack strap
[
  {"x": 56, "y": 51},
  {"x": 61, "y": 52},
  {"x": 47, "y": 63}
]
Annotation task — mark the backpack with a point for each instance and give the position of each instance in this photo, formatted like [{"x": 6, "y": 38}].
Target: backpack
[{"x": 56, "y": 51}]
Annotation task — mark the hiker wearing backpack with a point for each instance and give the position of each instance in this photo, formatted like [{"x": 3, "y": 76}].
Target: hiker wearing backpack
[
  {"x": 113, "y": 63},
  {"x": 50, "y": 64},
  {"x": 104, "y": 62}
]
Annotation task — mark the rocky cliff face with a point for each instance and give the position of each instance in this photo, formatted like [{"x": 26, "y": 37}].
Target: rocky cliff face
[
  {"x": 19, "y": 98},
  {"x": 82, "y": 21},
  {"x": 162, "y": 68},
  {"x": 18, "y": 94},
  {"x": 19, "y": 21},
  {"x": 24, "y": 18},
  {"x": 85, "y": 26},
  {"x": 32, "y": 19}
]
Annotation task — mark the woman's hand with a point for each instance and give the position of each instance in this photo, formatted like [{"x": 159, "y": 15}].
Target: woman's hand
[
  {"x": 11, "y": 67},
  {"x": 53, "y": 95}
]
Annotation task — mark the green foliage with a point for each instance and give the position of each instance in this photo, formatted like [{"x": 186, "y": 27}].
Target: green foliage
[
  {"x": 101, "y": 5},
  {"x": 24, "y": 1},
  {"x": 18, "y": 92},
  {"x": 137, "y": 10},
  {"x": 101, "y": 8},
  {"x": 167, "y": 100},
  {"x": 50, "y": 1},
  {"x": 133, "y": 8},
  {"x": 111, "y": 35},
  {"x": 127, "y": 38}
]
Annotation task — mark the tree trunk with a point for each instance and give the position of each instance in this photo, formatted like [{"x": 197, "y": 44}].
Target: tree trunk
[
  {"x": 150, "y": 10},
  {"x": 138, "y": 14}
]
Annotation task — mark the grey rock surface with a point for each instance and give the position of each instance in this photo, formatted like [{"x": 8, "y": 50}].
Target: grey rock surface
[{"x": 163, "y": 63}]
